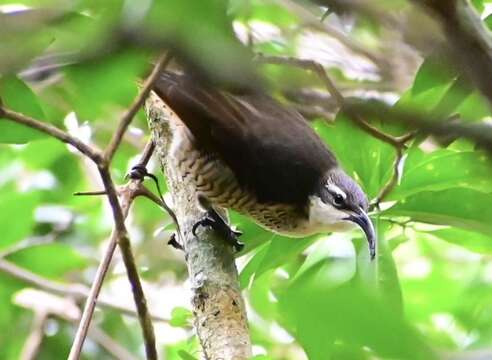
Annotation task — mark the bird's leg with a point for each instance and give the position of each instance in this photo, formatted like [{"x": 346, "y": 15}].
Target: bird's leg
[{"x": 214, "y": 220}]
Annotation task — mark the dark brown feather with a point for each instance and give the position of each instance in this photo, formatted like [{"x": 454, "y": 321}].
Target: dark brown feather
[{"x": 270, "y": 148}]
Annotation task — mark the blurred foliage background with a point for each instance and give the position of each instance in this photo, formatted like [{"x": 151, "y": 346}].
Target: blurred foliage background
[{"x": 77, "y": 65}]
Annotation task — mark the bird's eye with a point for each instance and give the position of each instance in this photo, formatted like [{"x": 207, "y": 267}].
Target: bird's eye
[{"x": 338, "y": 199}]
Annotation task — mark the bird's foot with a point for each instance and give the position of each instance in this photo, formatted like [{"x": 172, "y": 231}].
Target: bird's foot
[
  {"x": 216, "y": 222},
  {"x": 137, "y": 172}
]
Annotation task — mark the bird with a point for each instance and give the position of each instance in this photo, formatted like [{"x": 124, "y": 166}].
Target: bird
[{"x": 244, "y": 150}]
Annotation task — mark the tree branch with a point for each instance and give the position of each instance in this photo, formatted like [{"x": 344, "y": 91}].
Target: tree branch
[
  {"x": 469, "y": 40},
  {"x": 393, "y": 181},
  {"x": 319, "y": 70},
  {"x": 90, "y": 151},
  {"x": 220, "y": 317},
  {"x": 479, "y": 133},
  {"x": 118, "y": 237},
  {"x": 30, "y": 350}
]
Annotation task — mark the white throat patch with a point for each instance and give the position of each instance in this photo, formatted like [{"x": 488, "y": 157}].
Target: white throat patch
[{"x": 325, "y": 217}]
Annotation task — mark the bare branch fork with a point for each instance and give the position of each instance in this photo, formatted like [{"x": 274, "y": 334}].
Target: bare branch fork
[
  {"x": 399, "y": 143},
  {"x": 120, "y": 208}
]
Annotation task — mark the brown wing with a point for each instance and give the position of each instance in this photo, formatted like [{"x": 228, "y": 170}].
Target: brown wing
[{"x": 270, "y": 148}]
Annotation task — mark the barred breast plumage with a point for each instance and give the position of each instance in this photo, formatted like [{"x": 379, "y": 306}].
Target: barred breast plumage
[{"x": 213, "y": 179}]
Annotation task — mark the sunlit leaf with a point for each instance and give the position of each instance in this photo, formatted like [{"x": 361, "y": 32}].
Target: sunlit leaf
[
  {"x": 98, "y": 86},
  {"x": 468, "y": 239},
  {"x": 442, "y": 170},
  {"x": 180, "y": 317},
  {"x": 465, "y": 208},
  {"x": 17, "y": 96},
  {"x": 346, "y": 314},
  {"x": 367, "y": 159}
]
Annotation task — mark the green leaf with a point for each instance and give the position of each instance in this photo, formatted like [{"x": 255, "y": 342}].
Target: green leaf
[
  {"x": 464, "y": 208},
  {"x": 50, "y": 260},
  {"x": 474, "y": 108},
  {"x": 470, "y": 240},
  {"x": 180, "y": 317},
  {"x": 479, "y": 5},
  {"x": 443, "y": 169},
  {"x": 362, "y": 156},
  {"x": 253, "y": 234},
  {"x": 265, "y": 12},
  {"x": 41, "y": 154},
  {"x": 249, "y": 270},
  {"x": 432, "y": 73},
  {"x": 99, "y": 85},
  {"x": 182, "y": 348},
  {"x": 453, "y": 98},
  {"x": 323, "y": 314},
  {"x": 17, "y": 217},
  {"x": 210, "y": 43},
  {"x": 379, "y": 277},
  {"x": 17, "y": 96},
  {"x": 274, "y": 254},
  {"x": 186, "y": 355}
]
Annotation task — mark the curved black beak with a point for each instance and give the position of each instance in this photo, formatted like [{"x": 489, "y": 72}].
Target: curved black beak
[{"x": 365, "y": 223}]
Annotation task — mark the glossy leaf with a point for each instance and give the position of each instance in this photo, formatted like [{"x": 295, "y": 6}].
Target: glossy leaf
[
  {"x": 364, "y": 157},
  {"x": 347, "y": 314},
  {"x": 98, "y": 86},
  {"x": 464, "y": 208},
  {"x": 17, "y": 96},
  {"x": 468, "y": 239},
  {"x": 442, "y": 170},
  {"x": 180, "y": 317}
]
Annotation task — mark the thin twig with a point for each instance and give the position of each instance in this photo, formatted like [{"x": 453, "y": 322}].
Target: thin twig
[
  {"x": 30, "y": 350},
  {"x": 319, "y": 70},
  {"x": 136, "y": 105},
  {"x": 131, "y": 268},
  {"x": 109, "y": 344},
  {"x": 77, "y": 291},
  {"x": 479, "y": 133},
  {"x": 127, "y": 197},
  {"x": 393, "y": 181},
  {"x": 89, "y": 150},
  {"x": 90, "y": 193}
]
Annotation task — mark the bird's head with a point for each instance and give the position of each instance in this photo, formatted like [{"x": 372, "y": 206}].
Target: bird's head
[{"x": 338, "y": 204}]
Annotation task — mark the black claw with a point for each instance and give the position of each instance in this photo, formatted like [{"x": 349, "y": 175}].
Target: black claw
[
  {"x": 174, "y": 243},
  {"x": 207, "y": 221},
  {"x": 138, "y": 172},
  {"x": 216, "y": 222}
]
